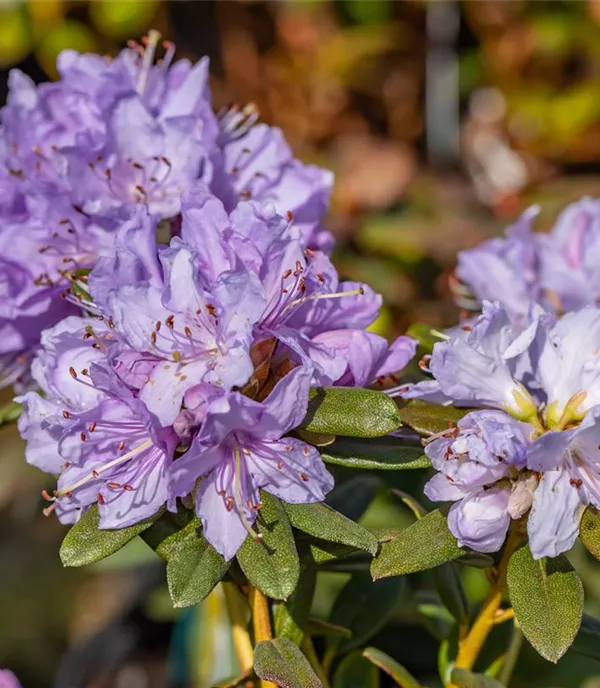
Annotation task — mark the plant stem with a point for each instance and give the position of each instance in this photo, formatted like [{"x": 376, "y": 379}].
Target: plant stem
[
  {"x": 512, "y": 655},
  {"x": 261, "y": 622},
  {"x": 309, "y": 651},
  {"x": 489, "y": 615},
  {"x": 328, "y": 658},
  {"x": 238, "y": 614}
]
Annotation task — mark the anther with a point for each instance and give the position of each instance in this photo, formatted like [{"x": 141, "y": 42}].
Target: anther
[
  {"x": 47, "y": 496},
  {"x": 72, "y": 373}
]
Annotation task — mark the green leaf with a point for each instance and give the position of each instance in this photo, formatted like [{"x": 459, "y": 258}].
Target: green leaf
[
  {"x": 467, "y": 679},
  {"x": 383, "y": 454},
  {"x": 85, "y": 543},
  {"x": 321, "y": 521},
  {"x": 353, "y": 497},
  {"x": 271, "y": 564},
  {"x": 167, "y": 525},
  {"x": 356, "y": 672},
  {"x": 357, "y": 562},
  {"x": 423, "y": 545},
  {"x": 589, "y": 531},
  {"x": 351, "y": 411},
  {"x": 547, "y": 596},
  {"x": 194, "y": 569},
  {"x": 429, "y": 419},
  {"x": 167, "y": 546},
  {"x": 320, "y": 627},
  {"x": 587, "y": 641},
  {"x": 448, "y": 584},
  {"x": 391, "y": 667},
  {"x": 317, "y": 440},
  {"x": 282, "y": 662},
  {"x": 291, "y": 616},
  {"x": 10, "y": 412},
  {"x": 323, "y": 551},
  {"x": 476, "y": 560},
  {"x": 416, "y": 507},
  {"x": 364, "y": 607}
]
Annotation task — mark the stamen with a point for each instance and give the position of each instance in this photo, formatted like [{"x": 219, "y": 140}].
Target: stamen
[
  {"x": 238, "y": 496},
  {"x": 318, "y": 297},
  {"x": 96, "y": 473},
  {"x": 150, "y": 43}
]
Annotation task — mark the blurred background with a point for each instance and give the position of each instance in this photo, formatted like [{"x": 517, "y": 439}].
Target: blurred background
[{"x": 442, "y": 121}]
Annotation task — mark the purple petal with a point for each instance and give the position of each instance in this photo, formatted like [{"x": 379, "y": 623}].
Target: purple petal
[
  {"x": 480, "y": 521},
  {"x": 553, "y": 523}
]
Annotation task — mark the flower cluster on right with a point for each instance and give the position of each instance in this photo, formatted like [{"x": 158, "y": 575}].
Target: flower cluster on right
[{"x": 529, "y": 366}]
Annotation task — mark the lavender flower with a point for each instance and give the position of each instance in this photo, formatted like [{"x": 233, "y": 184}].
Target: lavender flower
[
  {"x": 76, "y": 155},
  {"x": 569, "y": 257},
  {"x": 482, "y": 367},
  {"x": 557, "y": 271},
  {"x": 229, "y": 283},
  {"x": 503, "y": 270},
  {"x": 369, "y": 358},
  {"x": 478, "y": 463},
  {"x": 552, "y": 372},
  {"x": 8, "y": 679},
  {"x": 89, "y": 428},
  {"x": 257, "y": 164},
  {"x": 242, "y": 448}
]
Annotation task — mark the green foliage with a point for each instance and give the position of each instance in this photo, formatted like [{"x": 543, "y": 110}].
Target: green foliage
[
  {"x": 354, "y": 671},
  {"x": 194, "y": 568},
  {"x": 589, "y": 531},
  {"x": 350, "y": 411},
  {"x": 271, "y": 564},
  {"x": 467, "y": 679},
  {"x": 384, "y": 454},
  {"x": 323, "y": 522},
  {"x": 587, "y": 640},
  {"x": 547, "y": 596},
  {"x": 291, "y": 616},
  {"x": 391, "y": 667},
  {"x": 423, "y": 545},
  {"x": 325, "y": 628},
  {"x": 364, "y": 607},
  {"x": 85, "y": 543},
  {"x": 448, "y": 584},
  {"x": 429, "y": 419},
  {"x": 282, "y": 662},
  {"x": 353, "y": 497}
]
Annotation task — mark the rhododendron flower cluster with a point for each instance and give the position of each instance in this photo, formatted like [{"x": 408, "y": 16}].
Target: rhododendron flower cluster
[
  {"x": 77, "y": 156},
  {"x": 204, "y": 351},
  {"x": 538, "y": 452},
  {"x": 555, "y": 270}
]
